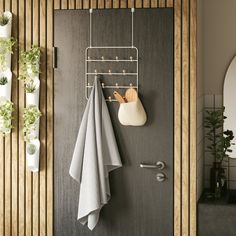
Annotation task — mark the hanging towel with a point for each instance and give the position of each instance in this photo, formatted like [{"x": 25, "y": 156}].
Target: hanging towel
[{"x": 95, "y": 155}]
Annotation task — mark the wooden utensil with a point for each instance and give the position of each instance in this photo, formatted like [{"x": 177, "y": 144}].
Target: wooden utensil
[
  {"x": 131, "y": 95},
  {"x": 118, "y": 97}
]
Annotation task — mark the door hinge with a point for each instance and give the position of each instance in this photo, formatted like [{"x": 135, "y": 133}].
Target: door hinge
[{"x": 54, "y": 53}]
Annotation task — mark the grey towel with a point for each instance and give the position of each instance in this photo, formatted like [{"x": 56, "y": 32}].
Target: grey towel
[{"x": 95, "y": 155}]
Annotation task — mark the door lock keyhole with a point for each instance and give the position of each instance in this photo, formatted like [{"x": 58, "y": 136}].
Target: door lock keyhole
[{"x": 161, "y": 177}]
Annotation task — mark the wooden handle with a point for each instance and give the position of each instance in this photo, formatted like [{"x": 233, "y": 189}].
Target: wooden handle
[{"x": 118, "y": 97}]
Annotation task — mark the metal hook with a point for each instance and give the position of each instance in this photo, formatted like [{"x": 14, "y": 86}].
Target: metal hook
[
  {"x": 131, "y": 58},
  {"x": 109, "y": 98},
  {"x": 123, "y": 72},
  {"x": 102, "y": 58},
  {"x": 95, "y": 71},
  {"x": 117, "y": 85},
  {"x": 131, "y": 85},
  {"x": 88, "y": 84},
  {"x": 109, "y": 72},
  {"x": 117, "y": 58},
  {"x": 88, "y": 58},
  {"x": 103, "y": 85}
]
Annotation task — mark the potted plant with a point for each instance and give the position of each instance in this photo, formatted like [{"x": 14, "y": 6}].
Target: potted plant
[
  {"x": 6, "y": 45},
  {"x": 32, "y": 154},
  {"x": 6, "y": 109},
  {"x": 29, "y": 64},
  {"x": 31, "y": 118},
  {"x": 5, "y": 84},
  {"x": 219, "y": 147},
  {"x": 32, "y": 92},
  {"x": 5, "y": 24}
]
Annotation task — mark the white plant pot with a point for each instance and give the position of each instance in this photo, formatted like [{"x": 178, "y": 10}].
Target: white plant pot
[
  {"x": 8, "y": 61},
  {"x": 33, "y": 159},
  {"x": 5, "y": 90},
  {"x": 33, "y": 98},
  {"x": 34, "y": 133},
  {"x": 30, "y": 71},
  {"x": 2, "y": 129},
  {"x": 5, "y": 31}
]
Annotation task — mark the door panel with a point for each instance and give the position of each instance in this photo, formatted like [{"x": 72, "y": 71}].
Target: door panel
[{"x": 140, "y": 205}]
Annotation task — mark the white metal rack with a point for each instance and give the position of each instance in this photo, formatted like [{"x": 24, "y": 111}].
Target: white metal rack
[{"x": 131, "y": 75}]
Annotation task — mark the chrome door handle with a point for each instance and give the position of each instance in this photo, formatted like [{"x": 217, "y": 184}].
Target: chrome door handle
[{"x": 159, "y": 165}]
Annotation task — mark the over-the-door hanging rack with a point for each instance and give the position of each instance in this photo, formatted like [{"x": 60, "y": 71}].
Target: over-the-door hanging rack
[{"x": 114, "y": 59}]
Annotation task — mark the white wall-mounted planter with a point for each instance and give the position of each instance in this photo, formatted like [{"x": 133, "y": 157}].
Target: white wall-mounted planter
[
  {"x": 2, "y": 128},
  {"x": 33, "y": 98},
  {"x": 5, "y": 31},
  {"x": 34, "y": 133},
  {"x": 5, "y": 90},
  {"x": 30, "y": 71},
  {"x": 8, "y": 61},
  {"x": 33, "y": 158}
]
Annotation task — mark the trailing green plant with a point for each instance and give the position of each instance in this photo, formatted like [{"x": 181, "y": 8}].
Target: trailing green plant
[
  {"x": 31, "y": 149},
  {"x": 6, "y": 109},
  {"x": 6, "y": 46},
  {"x": 3, "y": 80},
  {"x": 29, "y": 60},
  {"x": 30, "y": 87},
  {"x": 3, "y": 19},
  {"x": 219, "y": 141},
  {"x": 31, "y": 116}
]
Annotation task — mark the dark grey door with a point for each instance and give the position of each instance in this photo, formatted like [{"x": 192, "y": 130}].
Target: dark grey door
[{"x": 140, "y": 205}]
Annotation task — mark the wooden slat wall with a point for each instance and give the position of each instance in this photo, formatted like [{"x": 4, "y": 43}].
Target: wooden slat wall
[{"x": 26, "y": 199}]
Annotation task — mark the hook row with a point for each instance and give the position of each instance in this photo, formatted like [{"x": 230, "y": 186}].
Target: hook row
[{"x": 131, "y": 59}]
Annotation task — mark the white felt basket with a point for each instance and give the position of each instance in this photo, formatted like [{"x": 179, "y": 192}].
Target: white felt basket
[{"x": 132, "y": 114}]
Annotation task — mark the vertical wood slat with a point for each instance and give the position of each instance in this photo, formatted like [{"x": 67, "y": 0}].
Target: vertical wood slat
[
  {"x": 2, "y": 174},
  {"x": 162, "y": 3},
  {"x": 177, "y": 121},
  {"x": 123, "y": 4},
  {"x": 22, "y": 164},
  {"x": 57, "y": 4},
  {"x": 146, "y": 3},
  {"x": 93, "y": 4},
  {"x": 86, "y": 4},
  {"x": 193, "y": 115},
  {"x": 64, "y": 4},
  {"x": 43, "y": 131},
  {"x": 2, "y": 170},
  {"x": 116, "y": 4},
  {"x": 50, "y": 95},
  {"x": 101, "y": 4},
  {"x": 185, "y": 117},
  {"x": 154, "y": 3},
  {"x": 169, "y": 3},
  {"x": 138, "y": 4},
  {"x": 108, "y": 4},
  {"x": 28, "y": 184},
  {"x": 78, "y": 4},
  {"x": 35, "y": 190},
  {"x": 130, "y": 4},
  {"x": 15, "y": 133},
  {"x": 71, "y": 4},
  {"x": 7, "y": 162}
]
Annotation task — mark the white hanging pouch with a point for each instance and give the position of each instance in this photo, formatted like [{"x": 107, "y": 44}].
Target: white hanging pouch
[{"x": 132, "y": 113}]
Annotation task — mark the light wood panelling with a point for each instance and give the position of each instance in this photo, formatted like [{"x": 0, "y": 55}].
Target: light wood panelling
[
  {"x": 26, "y": 199},
  {"x": 177, "y": 122},
  {"x": 193, "y": 117}
]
